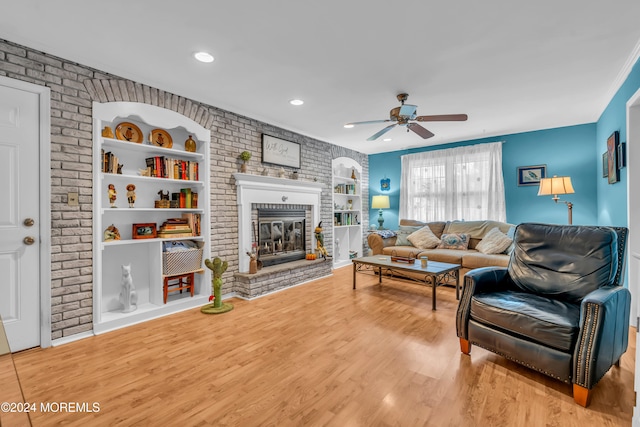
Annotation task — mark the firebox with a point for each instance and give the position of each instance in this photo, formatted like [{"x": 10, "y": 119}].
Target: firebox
[{"x": 281, "y": 235}]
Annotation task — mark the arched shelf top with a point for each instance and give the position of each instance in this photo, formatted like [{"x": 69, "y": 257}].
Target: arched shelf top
[{"x": 151, "y": 115}]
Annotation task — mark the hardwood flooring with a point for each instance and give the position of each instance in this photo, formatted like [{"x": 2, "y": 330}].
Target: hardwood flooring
[{"x": 314, "y": 355}]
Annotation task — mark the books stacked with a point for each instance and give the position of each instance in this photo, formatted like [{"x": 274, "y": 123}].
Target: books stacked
[
  {"x": 173, "y": 228},
  {"x": 193, "y": 219},
  {"x": 109, "y": 162},
  {"x": 163, "y": 167}
]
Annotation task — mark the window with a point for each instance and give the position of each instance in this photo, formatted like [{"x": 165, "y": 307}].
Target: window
[{"x": 462, "y": 183}]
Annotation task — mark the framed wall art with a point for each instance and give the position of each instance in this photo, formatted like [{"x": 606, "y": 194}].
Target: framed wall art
[
  {"x": 622, "y": 155},
  {"x": 605, "y": 164},
  {"x": 144, "y": 231},
  {"x": 280, "y": 152},
  {"x": 612, "y": 158},
  {"x": 531, "y": 175}
]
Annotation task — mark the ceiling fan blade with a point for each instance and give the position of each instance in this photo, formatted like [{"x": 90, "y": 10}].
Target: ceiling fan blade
[
  {"x": 443, "y": 118},
  {"x": 424, "y": 133},
  {"x": 407, "y": 110},
  {"x": 381, "y": 132},
  {"x": 369, "y": 122}
]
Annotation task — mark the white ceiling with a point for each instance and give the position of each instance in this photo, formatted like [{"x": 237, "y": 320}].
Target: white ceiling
[{"x": 511, "y": 67}]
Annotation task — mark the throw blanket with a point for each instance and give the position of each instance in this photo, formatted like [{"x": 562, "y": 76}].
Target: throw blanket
[
  {"x": 385, "y": 233},
  {"x": 477, "y": 229}
]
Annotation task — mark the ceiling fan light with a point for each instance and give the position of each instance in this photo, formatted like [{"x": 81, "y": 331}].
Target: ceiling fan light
[
  {"x": 349, "y": 125},
  {"x": 203, "y": 57}
]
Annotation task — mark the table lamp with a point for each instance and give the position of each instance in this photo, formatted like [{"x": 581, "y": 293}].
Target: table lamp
[
  {"x": 380, "y": 202},
  {"x": 557, "y": 185}
]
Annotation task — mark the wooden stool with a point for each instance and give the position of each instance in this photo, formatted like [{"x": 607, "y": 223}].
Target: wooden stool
[{"x": 184, "y": 282}]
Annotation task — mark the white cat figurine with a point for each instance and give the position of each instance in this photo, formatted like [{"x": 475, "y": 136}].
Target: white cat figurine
[{"x": 128, "y": 295}]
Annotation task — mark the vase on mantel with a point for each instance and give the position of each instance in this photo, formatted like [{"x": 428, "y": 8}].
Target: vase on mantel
[{"x": 243, "y": 167}]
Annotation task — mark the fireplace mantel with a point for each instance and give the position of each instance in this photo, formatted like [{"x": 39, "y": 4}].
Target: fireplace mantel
[{"x": 270, "y": 190}]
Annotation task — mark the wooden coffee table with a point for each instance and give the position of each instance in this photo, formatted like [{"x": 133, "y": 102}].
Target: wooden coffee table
[{"x": 434, "y": 274}]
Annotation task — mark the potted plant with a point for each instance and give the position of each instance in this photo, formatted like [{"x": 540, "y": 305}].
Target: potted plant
[{"x": 244, "y": 156}]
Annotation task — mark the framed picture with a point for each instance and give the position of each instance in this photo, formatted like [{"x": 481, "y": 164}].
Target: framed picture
[
  {"x": 612, "y": 158},
  {"x": 605, "y": 164},
  {"x": 531, "y": 175},
  {"x": 144, "y": 231},
  {"x": 385, "y": 184},
  {"x": 622, "y": 155},
  {"x": 280, "y": 152}
]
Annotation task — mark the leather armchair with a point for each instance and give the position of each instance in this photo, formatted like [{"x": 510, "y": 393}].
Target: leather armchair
[{"x": 558, "y": 308}]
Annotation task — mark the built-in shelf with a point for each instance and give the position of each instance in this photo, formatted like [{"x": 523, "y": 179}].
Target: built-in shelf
[
  {"x": 144, "y": 255},
  {"x": 347, "y": 228}
]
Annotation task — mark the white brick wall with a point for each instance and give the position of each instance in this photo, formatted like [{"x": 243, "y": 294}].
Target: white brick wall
[{"x": 73, "y": 88}]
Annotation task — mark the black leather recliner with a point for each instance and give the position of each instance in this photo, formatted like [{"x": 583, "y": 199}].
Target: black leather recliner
[{"x": 558, "y": 308}]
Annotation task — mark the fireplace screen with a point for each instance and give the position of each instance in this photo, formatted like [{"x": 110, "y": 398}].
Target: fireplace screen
[{"x": 281, "y": 235}]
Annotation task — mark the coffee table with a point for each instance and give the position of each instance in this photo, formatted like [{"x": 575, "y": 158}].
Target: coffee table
[{"x": 434, "y": 274}]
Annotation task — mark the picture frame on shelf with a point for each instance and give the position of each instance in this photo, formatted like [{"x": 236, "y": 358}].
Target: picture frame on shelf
[
  {"x": 612, "y": 157},
  {"x": 605, "y": 164},
  {"x": 145, "y": 230},
  {"x": 280, "y": 152},
  {"x": 531, "y": 175}
]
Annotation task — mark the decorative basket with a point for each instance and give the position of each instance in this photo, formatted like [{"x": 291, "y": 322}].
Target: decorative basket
[
  {"x": 179, "y": 262},
  {"x": 162, "y": 204}
]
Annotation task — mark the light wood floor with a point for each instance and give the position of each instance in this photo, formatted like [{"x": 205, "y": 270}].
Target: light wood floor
[{"x": 317, "y": 354}]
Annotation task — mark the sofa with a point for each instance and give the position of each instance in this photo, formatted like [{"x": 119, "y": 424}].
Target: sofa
[{"x": 468, "y": 259}]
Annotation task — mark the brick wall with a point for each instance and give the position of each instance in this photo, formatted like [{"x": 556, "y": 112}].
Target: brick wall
[{"x": 73, "y": 88}]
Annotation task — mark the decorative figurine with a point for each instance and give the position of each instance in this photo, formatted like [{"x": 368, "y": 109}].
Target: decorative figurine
[
  {"x": 281, "y": 173},
  {"x": 190, "y": 145},
  {"x": 353, "y": 174},
  {"x": 128, "y": 294},
  {"x": 107, "y": 132},
  {"x": 131, "y": 194},
  {"x": 253, "y": 262},
  {"x": 111, "y": 233},
  {"x": 217, "y": 267},
  {"x": 119, "y": 170},
  {"x": 163, "y": 195},
  {"x": 112, "y": 195},
  {"x": 320, "y": 241}
]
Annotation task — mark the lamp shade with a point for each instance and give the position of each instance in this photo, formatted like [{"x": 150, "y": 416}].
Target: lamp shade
[
  {"x": 380, "y": 202},
  {"x": 556, "y": 185}
]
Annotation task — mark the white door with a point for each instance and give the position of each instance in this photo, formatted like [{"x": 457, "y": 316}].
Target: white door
[
  {"x": 633, "y": 219},
  {"x": 19, "y": 216}
]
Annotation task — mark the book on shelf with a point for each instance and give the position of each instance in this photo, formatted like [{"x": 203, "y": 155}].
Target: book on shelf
[
  {"x": 164, "y": 167},
  {"x": 193, "y": 220}
]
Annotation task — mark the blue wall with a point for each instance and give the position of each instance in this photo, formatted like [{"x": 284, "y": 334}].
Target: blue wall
[
  {"x": 612, "y": 198},
  {"x": 565, "y": 151}
]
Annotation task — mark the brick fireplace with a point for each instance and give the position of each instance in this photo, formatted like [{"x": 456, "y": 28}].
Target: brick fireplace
[{"x": 302, "y": 200}]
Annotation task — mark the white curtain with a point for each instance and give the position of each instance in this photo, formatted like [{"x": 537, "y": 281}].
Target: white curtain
[{"x": 462, "y": 183}]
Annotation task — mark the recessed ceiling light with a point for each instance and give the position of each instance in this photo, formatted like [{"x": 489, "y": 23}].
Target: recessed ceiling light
[
  {"x": 203, "y": 56},
  {"x": 296, "y": 102},
  {"x": 387, "y": 139},
  {"x": 348, "y": 126}
]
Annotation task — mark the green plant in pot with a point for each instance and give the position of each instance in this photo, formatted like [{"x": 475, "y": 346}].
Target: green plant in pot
[
  {"x": 244, "y": 156},
  {"x": 217, "y": 267}
]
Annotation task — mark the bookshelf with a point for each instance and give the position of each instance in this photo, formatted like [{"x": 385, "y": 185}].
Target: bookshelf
[
  {"x": 171, "y": 192},
  {"x": 347, "y": 211}
]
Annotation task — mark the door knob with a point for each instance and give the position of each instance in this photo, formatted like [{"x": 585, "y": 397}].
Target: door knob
[
  {"x": 28, "y": 222},
  {"x": 29, "y": 240}
]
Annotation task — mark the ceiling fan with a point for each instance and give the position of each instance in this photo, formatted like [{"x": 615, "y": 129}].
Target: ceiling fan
[{"x": 405, "y": 115}]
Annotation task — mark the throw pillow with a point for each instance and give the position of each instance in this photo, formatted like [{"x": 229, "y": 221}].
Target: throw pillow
[
  {"x": 423, "y": 238},
  {"x": 454, "y": 241},
  {"x": 494, "y": 242},
  {"x": 402, "y": 234}
]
